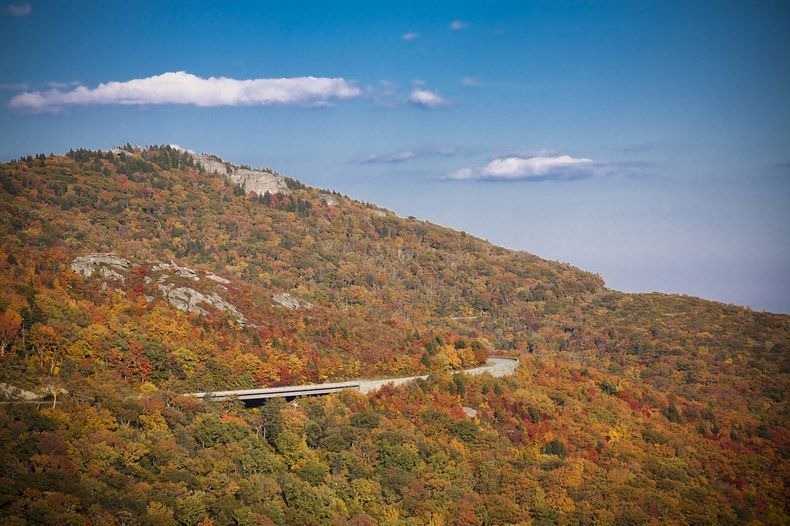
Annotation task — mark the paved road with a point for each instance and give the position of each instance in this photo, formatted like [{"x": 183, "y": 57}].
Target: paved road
[{"x": 496, "y": 366}]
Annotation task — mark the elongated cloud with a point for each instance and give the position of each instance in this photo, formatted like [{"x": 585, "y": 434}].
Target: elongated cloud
[
  {"x": 426, "y": 99},
  {"x": 184, "y": 88},
  {"x": 407, "y": 155},
  {"x": 18, "y": 9},
  {"x": 410, "y": 36},
  {"x": 457, "y": 25},
  {"x": 14, "y": 87},
  {"x": 536, "y": 168}
]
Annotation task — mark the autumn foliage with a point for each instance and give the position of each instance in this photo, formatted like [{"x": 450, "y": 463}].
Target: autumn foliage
[{"x": 627, "y": 408}]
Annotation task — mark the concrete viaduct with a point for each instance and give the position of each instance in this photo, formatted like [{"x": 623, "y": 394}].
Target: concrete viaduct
[{"x": 495, "y": 366}]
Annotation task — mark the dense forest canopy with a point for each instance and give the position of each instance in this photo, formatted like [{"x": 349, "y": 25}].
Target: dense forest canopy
[{"x": 627, "y": 408}]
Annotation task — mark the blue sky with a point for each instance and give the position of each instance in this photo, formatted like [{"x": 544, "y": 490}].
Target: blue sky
[{"x": 646, "y": 141}]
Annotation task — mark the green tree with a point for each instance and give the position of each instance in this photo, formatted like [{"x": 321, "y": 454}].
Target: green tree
[
  {"x": 272, "y": 419},
  {"x": 191, "y": 509}
]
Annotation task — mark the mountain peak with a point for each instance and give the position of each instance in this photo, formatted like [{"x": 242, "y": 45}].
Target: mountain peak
[{"x": 257, "y": 181}]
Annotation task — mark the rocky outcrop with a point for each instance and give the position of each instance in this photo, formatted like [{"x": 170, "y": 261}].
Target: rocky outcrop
[
  {"x": 169, "y": 283},
  {"x": 190, "y": 300},
  {"x": 255, "y": 181},
  {"x": 218, "y": 279},
  {"x": 470, "y": 412},
  {"x": 259, "y": 182},
  {"x": 289, "y": 302},
  {"x": 329, "y": 199},
  {"x": 184, "y": 272},
  {"x": 11, "y": 392},
  {"x": 107, "y": 265}
]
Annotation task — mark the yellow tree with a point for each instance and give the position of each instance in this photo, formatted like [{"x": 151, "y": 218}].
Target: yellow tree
[
  {"x": 10, "y": 323},
  {"x": 47, "y": 348}
]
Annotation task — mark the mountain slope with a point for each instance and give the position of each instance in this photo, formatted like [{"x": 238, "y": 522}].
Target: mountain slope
[{"x": 627, "y": 407}]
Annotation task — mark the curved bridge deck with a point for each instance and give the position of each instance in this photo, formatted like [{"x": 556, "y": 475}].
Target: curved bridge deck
[{"x": 495, "y": 365}]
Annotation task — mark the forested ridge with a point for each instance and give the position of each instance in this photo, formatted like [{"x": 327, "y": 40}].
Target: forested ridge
[{"x": 627, "y": 408}]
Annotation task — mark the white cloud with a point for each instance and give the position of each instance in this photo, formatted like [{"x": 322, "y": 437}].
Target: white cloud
[
  {"x": 426, "y": 99},
  {"x": 181, "y": 148},
  {"x": 463, "y": 174},
  {"x": 537, "y": 167},
  {"x": 410, "y": 36},
  {"x": 62, "y": 85},
  {"x": 390, "y": 158},
  {"x": 18, "y": 9},
  {"x": 471, "y": 81},
  {"x": 443, "y": 150},
  {"x": 184, "y": 88},
  {"x": 457, "y": 25},
  {"x": 407, "y": 155},
  {"x": 518, "y": 167}
]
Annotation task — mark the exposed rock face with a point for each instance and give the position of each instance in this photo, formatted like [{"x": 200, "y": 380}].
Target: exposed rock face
[
  {"x": 468, "y": 411},
  {"x": 329, "y": 199},
  {"x": 184, "y": 272},
  {"x": 211, "y": 164},
  {"x": 108, "y": 266},
  {"x": 259, "y": 182},
  {"x": 289, "y": 302},
  {"x": 187, "y": 299},
  {"x": 11, "y": 392},
  {"x": 256, "y": 181},
  {"x": 218, "y": 279}
]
